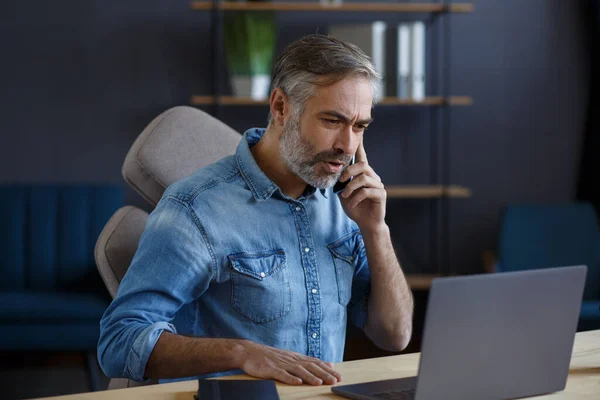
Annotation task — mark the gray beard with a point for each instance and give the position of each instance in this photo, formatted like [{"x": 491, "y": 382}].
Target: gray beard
[{"x": 298, "y": 155}]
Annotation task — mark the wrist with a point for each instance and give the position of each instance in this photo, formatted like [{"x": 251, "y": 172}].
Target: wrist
[
  {"x": 376, "y": 231},
  {"x": 236, "y": 352}
]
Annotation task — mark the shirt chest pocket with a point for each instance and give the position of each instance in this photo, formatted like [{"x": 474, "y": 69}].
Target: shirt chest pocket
[
  {"x": 260, "y": 285},
  {"x": 344, "y": 252}
]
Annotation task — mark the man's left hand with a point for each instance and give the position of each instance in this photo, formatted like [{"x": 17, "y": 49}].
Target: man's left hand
[{"x": 364, "y": 197}]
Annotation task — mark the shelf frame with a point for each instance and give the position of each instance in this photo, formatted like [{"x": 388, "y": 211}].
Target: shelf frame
[
  {"x": 427, "y": 191},
  {"x": 439, "y": 191},
  {"x": 199, "y": 5},
  {"x": 204, "y": 100},
  {"x": 421, "y": 281}
]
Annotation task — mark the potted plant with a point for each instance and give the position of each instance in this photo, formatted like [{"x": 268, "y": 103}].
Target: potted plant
[{"x": 249, "y": 47}]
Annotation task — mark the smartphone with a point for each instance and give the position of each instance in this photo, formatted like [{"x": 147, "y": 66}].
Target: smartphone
[
  {"x": 209, "y": 389},
  {"x": 340, "y": 186}
]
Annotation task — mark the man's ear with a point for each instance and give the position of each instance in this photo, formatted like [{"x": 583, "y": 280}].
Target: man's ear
[{"x": 280, "y": 106}]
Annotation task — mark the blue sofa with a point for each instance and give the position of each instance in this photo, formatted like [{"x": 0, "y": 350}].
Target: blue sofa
[{"x": 51, "y": 295}]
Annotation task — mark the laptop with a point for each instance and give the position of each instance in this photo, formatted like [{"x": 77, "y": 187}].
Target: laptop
[{"x": 491, "y": 337}]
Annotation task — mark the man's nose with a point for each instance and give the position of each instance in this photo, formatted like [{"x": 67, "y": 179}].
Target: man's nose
[{"x": 346, "y": 140}]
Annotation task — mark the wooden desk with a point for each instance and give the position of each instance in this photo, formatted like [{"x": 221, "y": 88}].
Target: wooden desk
[{"x": 583, "y": 382}]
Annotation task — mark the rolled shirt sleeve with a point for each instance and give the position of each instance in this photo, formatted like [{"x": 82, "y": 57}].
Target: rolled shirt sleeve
[{"x": 173, "y": 266}]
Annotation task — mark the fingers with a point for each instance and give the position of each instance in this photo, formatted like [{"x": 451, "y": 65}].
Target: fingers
[
  {"x": 307, "y": 376},
  {"x": 361, "y": 181},
  {"x": 323, "y": 372},
  {"x": 283, "y": 376},
  {"x": 327, "y": 366},
  {"x": 365, "y": 193},
  {"x": 291, "y": 374},
  {"x": 360, "y": 168},
  {"x": 316, "y": 372},
  {"x": 361, "y": 154},
  {"x": 289, "y": 367}
]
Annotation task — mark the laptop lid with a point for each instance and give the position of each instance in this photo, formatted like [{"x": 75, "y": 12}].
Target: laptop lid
[
  {"x": 493, "y": 336},
  {"x": 500, "y": 336}
]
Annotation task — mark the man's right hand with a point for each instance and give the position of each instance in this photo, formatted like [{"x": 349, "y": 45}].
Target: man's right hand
[
  {"x": 266, "y": 362},
  {"x": 176, "y": 356}
]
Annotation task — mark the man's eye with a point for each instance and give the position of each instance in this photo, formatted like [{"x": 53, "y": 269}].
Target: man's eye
[
  {"x": 361, "y": 127},
  {"x": 331, "y": 121}
]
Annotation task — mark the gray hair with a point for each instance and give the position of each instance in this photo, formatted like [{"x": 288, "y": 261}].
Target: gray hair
[{"x": 319, "y": 60}]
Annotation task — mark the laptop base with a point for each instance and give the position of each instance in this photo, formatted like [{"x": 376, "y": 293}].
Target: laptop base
[{"x": 376, "y": 390}]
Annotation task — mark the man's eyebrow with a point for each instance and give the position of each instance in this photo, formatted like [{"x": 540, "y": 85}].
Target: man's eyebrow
[{"x": 344, "y": 118}]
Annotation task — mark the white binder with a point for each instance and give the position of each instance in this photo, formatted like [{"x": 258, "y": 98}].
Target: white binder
[
  {"x": 404, "y": 78},
  {"x": 418, "y": 60}
]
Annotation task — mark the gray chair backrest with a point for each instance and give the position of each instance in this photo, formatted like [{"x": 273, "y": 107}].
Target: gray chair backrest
[
  {"x": 173, "y": 146},
  {"x": 117, "y": 245}
]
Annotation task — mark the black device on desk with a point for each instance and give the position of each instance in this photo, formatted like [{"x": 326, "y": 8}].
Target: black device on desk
[
  {"x": 233, "y": 389},
  {"x": 340, "y": 186}
]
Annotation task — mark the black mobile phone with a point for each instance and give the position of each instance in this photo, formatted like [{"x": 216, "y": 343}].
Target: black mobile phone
[
  {"x": 340, "y": 186},
  {"x": 209, "y": 389}
]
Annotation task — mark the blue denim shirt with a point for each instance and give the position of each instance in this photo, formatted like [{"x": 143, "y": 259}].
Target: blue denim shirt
[{"x": 226, "y": 254}]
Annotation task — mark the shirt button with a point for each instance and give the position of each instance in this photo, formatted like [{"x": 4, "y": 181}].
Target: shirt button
[
  {"x": 314, "y": 335},
  {"x": 314, "y": 291},
  {"x": 298, "y": 209},
  {"x": 262, "y": 274},
  {"x": 306, "y": 249}
]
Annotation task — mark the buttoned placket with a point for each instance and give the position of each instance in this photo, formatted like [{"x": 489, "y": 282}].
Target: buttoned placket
[{"x": 311, "y": 278}]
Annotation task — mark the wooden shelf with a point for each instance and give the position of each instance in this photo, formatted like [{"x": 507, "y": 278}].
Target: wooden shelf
[
  {"x": 343, "y": 7},
  {"x": 420, "y": 281},
  {"x": 429, "y": 101},
  {"x": 427, "y": 191},
  {"x": 386, "y": 101},
  {"x": 226, "y": 100}
]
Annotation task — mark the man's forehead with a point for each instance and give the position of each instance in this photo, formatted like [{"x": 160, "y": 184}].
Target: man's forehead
[
  {"x": 347, "y": 97},
  {"x": 362, "y": 118}
]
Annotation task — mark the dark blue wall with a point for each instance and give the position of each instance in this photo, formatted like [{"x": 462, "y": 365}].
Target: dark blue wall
[{"x": 80, "y": 79}]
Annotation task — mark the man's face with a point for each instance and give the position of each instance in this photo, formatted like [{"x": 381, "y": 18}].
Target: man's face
[{"x": 319, "y": 144}]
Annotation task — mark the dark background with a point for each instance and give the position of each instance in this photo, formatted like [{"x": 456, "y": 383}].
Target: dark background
[{"x": 79, "y": 80}]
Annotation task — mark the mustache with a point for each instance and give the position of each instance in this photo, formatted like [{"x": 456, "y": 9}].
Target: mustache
[{"x": 333, "y": 155}]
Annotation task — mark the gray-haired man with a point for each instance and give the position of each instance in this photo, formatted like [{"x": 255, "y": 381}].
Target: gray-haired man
[{"x": 253, "y": 263}]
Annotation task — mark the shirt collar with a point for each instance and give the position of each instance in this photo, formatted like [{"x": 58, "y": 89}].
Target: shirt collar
[{"x": 260, "y": 185}]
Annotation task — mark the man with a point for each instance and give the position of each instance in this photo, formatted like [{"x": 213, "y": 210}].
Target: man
[{"x": 253, "y": 263}]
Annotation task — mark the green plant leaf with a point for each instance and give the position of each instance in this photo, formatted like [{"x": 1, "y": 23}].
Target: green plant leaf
[{"x": 250, "y": 39}]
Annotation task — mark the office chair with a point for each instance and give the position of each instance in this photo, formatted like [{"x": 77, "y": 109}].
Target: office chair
[
  {"x": 173, "y": 146},
  {"x": 545, "y": 236}
]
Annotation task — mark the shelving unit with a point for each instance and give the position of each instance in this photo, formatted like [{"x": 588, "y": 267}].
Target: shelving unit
[
  {"x": 343, "y": 7},
  {"x": 427, "y": 192},
  {"x": 421, "y": 281},
  {"x": 197, "y": 100},
  {"x": 441, "y": 190}
]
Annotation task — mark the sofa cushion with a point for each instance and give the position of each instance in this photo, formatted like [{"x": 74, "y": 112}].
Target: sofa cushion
[
  {"x": 26, "y": 307},
  {"x": 535, "y": 236},
  {"x": 49, "y": 336},
  {"x": 48, "y": 233},
  {"x": 590, "y": 309}
]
